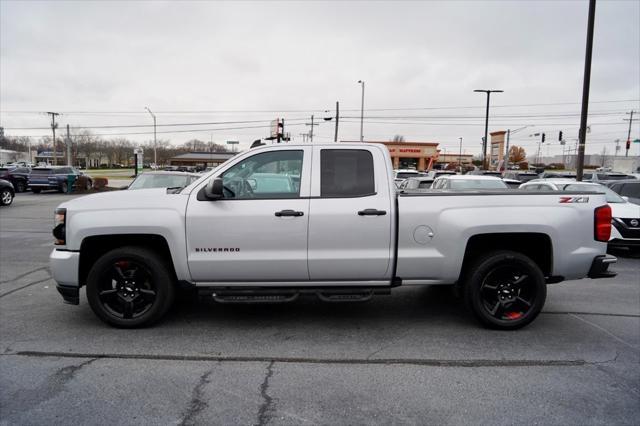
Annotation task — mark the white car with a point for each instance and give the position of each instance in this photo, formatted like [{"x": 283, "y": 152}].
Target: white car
[
  {"x": 469, "y": 182},
  {"x": 625, "y": 231}
]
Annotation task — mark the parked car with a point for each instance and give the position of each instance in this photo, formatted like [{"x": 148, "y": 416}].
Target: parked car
[
  {"x": 485, "y": 173},
  {"x": 626, "y": 188},
  {"x": 345, "y": 233},
  {"x": 625, "y": 215},
  {"x": 7, "y": 192},
  {"x": 163, "y": 179},
  {"x": 466, "y": 182},
  {"x": 433, "y": 174},
  {"x": 18, "y": 176},
  {"x": 57, "y": 178},
  {"x": 520, "y": 175},
  {"x": 416, "y": 183},
  {"x": 557, "y": 175},
  {"x": 606, "y": 176}
]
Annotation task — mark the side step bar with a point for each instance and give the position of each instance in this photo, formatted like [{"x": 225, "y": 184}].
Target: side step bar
[{"x": 285, "y": 295}]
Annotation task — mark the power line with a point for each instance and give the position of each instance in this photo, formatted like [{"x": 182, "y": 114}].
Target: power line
[{"x": 321, "y": 110}]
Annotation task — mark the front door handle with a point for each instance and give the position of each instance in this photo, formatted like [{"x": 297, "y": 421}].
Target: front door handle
[
  {"x": 372, "y": 212},
  {"x": 282, "y": 213}
]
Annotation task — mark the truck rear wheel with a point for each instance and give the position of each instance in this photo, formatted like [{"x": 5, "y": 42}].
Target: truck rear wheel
[
  {"x": 130, "y": 287},
  {"x": 506, "y": 290}
]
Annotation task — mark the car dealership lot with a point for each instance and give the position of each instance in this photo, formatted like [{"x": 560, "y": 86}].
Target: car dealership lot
[{"x": 412, "y": 357}]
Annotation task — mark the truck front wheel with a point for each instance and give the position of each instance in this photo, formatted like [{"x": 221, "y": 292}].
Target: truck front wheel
[
  {"x": 130, "y": 287},
  {"x": 505, "y": 290}
]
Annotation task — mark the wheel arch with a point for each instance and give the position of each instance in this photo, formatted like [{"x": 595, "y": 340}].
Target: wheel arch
[
  {"x": 536, "y": 246},
  {"x": 93, "y": 247}
]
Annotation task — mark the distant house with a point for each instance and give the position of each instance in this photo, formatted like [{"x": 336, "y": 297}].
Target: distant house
[{"x": 203, "y": 159}]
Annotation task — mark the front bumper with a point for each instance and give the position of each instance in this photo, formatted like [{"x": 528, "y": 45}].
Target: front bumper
[
  {"x": 64, "y": 267},
  {"x": 600, "y": 266}
]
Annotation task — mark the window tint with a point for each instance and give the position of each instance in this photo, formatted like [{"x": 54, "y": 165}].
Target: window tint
[
  {"x": 346, "y": 173},
  {"x": 631, "y": 190},
  {"x": 267, "y": 175}
]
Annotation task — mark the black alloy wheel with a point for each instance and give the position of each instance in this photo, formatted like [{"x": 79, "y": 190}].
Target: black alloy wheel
[
  {"x": 130, "y": 287},
  {"x": 20, "y": 186},
  {"x": 6, "y": 197},
  {"x": 63, "y": 187},
  {"x": 506, "y": 290}
]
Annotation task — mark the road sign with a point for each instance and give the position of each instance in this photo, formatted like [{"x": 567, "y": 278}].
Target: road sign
[{"x": 636, "y": 141}]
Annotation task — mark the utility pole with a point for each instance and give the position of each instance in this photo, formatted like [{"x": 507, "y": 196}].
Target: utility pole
[
  {"x": 155, "y": 156},
  {"x": 362, "y": 112},
  {"x": 630, "y": 120},
  {"x": 304, "y": 136},
  {"x": 582, "y": 135},
  {"x": 54, "y": 125},
  {"x": 617, "y": 141},
  {"x": 486, "y": 125},
  {"x": 69, "y": 160},
  {"x": 460, "y": 156},
  {"x": 311, "y": 131},
  {"x": 335, "y": 137},
  {"x": 506, "y": 161}
]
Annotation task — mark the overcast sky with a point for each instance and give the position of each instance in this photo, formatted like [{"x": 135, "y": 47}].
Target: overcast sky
[{"x": 101, "y": 63}]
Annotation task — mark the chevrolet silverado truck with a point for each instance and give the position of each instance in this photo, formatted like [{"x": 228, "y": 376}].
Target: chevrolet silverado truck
[{"x": 280, "y": 221}]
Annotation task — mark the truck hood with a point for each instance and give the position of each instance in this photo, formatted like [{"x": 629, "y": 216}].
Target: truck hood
[
  {"x": 153, "y": 198},
  {"x": 625, "y": 210}
]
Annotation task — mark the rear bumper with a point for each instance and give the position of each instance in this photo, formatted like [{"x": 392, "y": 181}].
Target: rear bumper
[
  {"x": 624, "y": 242},
  {"x": 600, "y": 267}
]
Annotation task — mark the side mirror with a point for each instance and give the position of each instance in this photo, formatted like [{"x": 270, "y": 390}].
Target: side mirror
[{"x": 213, "y": 190}]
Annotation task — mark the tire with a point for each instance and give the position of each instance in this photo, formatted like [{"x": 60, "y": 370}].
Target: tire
[
  {"x": 505, "y": 290},
  {"x": 20, "y": 186},
  {"x": 36, "y": 190},
  {"x": 6, "y": 197},
  {"x": 63, "y": 188},
  {"x": 88, "y": 185},
  {"x": 130, "y": 287}
]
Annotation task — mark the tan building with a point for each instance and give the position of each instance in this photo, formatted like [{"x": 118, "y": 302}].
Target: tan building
[
  {"x": 411, "y": 155},
  {"x": 496, "y": 150},
  {"x": 465, "y": 159}
]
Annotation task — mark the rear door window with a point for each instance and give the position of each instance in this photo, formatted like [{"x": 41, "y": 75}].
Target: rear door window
[{"x": 346, "y": 173}]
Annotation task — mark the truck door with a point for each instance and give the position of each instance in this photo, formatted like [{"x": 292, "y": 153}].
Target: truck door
[
  {"x": 258, "y": 231},
  {"x": 350, "y": 215}
]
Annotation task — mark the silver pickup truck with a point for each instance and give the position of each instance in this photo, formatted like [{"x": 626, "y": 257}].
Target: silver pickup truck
[{"x": 279, "y": 221}]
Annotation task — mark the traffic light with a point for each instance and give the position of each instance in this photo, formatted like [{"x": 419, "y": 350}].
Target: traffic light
[
  {"x": 560, "y": 136},
  {"x": 543, "y": 137},
  {"x": 628, "y": 144}
]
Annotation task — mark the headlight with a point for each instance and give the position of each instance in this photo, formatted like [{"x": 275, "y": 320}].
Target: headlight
[{"x": 59, "y": 226}]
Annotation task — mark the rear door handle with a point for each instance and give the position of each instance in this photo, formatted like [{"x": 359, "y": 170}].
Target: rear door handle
[
  {"x": 372, "y": 212},
  {"x": 282, "y": 213}
]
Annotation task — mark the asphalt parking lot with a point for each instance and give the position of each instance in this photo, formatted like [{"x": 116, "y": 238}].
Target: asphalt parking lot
[{"x": 414, "y": 357}]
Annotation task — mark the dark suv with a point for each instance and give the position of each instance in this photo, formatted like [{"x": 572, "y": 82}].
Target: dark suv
[
  {"x": 18, "y": 176},
  {"x": 56, "y": 177}
]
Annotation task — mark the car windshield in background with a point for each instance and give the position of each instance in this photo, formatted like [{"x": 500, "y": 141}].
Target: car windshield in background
[
  {"x": 40, "y": 171},
  {"x": 405, "y": 175},
  {"x": 145, "y": 181},
  {"x": 478, "y": 184},
  {"x": 612, "y": 197},
  {"x": 526, "y": 177}
]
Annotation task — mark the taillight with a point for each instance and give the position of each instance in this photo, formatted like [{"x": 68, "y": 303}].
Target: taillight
[
  {"x": 59, "y": 223},
  {"x": 602, "y": 223}
]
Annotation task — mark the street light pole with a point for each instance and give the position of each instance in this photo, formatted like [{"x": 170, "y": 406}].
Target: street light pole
[
  {"x": 362, "y": 112},
  {"x": 486, "y": 124},
  {"x": 155, "y": 156},
  {"x": 460, "y": 156}
]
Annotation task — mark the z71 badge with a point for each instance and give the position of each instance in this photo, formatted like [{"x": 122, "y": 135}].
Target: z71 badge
[{"x": 565, "y": 200}]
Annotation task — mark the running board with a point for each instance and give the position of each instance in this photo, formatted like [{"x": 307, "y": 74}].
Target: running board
[
  {"x": 345, "y": 297},
  {"x": 254, "y": 298}
]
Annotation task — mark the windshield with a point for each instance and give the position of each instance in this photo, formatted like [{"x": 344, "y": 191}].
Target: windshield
[
  {"x": 161, "y": 181},
  {"x": 404, "y": 175},
  {"x": 612, "y": 197},
  {"x": 478, "y": 184}
]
